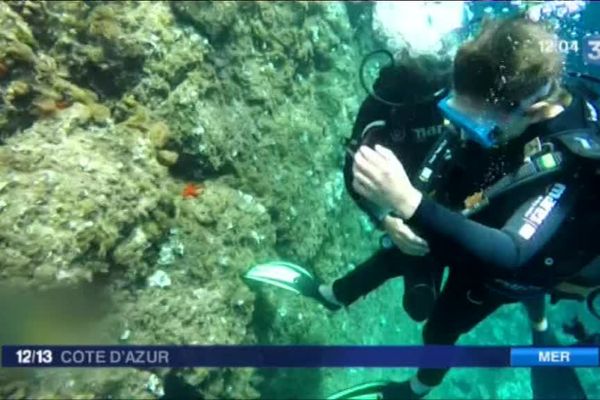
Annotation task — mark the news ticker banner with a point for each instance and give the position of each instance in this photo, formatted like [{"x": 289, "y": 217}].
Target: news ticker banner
[{"x": 297, "y": 356}]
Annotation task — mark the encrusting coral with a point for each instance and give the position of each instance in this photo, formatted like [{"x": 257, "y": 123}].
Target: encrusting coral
[
  {"x": 57, "y": 179},
  {"x": 111, "y": 109}
]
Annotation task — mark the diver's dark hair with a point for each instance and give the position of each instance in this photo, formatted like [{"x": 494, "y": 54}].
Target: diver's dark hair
[
  {"x": 508, "y": 61},
  {"x": 411, "y": 79}
]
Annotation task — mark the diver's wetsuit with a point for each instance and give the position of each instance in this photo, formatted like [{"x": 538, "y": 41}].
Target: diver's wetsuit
[
  {"x": 410, "y": 132},
  {"x": 517, "y": 248}
]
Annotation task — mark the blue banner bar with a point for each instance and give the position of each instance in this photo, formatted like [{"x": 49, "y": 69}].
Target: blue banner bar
[
  {"x": 285, "y": 356},
  {"x": 554, "y": 357}
]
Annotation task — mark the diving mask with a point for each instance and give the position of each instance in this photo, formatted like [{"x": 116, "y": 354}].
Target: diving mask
[{"x": 483, "y": 124}]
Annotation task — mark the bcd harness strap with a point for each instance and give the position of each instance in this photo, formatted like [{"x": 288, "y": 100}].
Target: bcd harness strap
[
  {"x": 546, "y": 165},
  {"x": 540, "y": 167},
  {"x": 582, "y": 142}
]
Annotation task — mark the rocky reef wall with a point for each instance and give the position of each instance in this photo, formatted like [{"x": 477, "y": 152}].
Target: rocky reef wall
[{"x": 151, "y": 152}]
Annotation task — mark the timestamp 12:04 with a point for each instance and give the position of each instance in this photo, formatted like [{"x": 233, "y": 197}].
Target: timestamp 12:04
[{"x": 562, "y": 46}]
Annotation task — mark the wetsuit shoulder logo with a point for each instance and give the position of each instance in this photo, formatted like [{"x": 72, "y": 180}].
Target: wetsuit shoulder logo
[
  {"x": 424, "y": 133},
  {"x": 539, "y": 211}
]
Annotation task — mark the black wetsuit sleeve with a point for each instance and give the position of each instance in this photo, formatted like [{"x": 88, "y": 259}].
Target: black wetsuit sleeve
[
  {"x": 370, "y": 111},
  {"x": 456, "y": 238}
]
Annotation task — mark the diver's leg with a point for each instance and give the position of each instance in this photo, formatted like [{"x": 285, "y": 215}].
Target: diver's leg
[
  {"x": 422, "y": 281},
  {"x": 460, "y": 307},
  {"x": 541, "y": 334},
  {"x": 550, "y": 382},
  {"x": 366, "y": 277},
  {"x": 536, "y": 310},
  {"x": 422, "y": 284}
]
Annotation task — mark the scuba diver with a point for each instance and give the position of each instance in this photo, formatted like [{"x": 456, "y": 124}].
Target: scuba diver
[
  {"x": 520, "y": 159},
  {"x": 524, "y": 157},
  {"x": 401, "y": 114}
]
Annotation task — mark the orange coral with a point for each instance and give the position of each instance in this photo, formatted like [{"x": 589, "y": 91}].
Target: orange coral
[{"x": 192, "y": 190}]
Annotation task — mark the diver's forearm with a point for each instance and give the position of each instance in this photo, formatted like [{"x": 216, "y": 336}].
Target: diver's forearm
[
  {"x": 406, "y": 206},
  {"x": 451, "y": 234}
]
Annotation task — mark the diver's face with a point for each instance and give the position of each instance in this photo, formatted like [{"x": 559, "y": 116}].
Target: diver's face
[{"x": 508, "y": 123}]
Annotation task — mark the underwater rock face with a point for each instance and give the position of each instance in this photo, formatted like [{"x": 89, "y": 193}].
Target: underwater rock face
[
  {"x": 113, "y": 108},
  {"x": 95, "y": 43},
  {"x": 17, "y": 72},
  {"x": 58, "y": 178}
]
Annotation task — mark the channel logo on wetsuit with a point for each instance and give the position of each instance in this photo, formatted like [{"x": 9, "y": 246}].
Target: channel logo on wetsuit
[{"x": 591, "y": 49}]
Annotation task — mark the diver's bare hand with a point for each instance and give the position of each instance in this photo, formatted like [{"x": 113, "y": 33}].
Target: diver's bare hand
[
  {"x": 380, "y": 177},
  {"x": 404, "y": 238}
]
